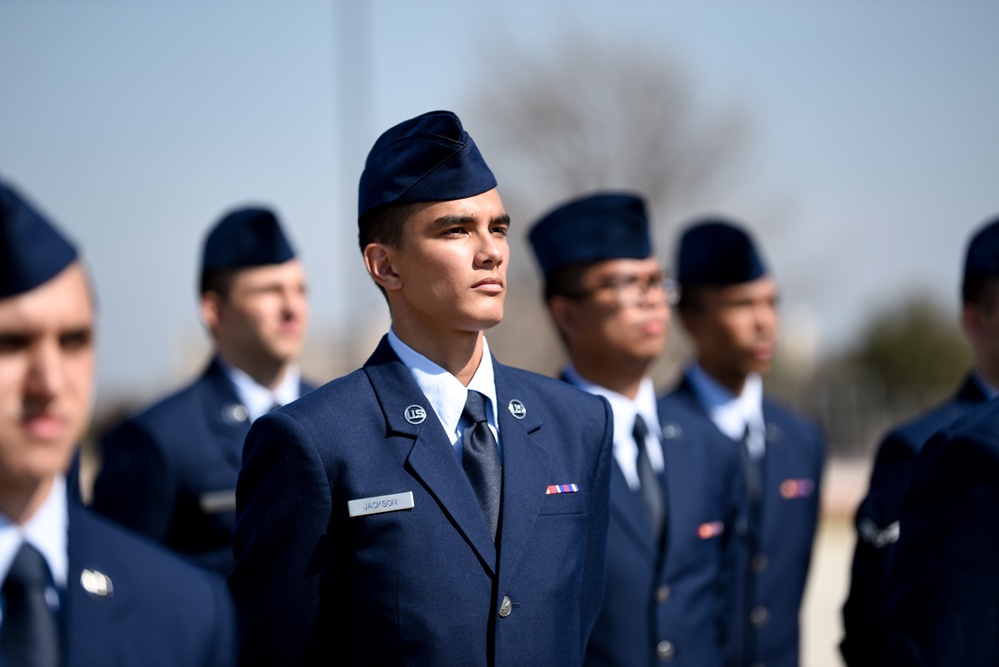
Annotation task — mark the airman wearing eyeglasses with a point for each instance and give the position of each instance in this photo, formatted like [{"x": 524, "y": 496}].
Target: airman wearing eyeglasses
[{"x": 673, "y": 503}]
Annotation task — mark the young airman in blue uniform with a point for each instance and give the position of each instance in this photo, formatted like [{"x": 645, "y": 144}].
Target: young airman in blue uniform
[
  {"x": 170, "y": 471},
  {"x": 77, "y": 590},
  {"x": 675, "y": 502},
  {"x": 877, "y": 520},
  {"x": 942, "y": 583},
  {"x": 434, "y": 507},
  {"x": 728, "y": 306}
]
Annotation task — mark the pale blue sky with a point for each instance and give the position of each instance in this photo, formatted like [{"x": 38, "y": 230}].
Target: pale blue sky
[{"x": 874, "y": 126}]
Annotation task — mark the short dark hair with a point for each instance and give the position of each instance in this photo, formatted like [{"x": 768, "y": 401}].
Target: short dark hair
[
  {"x": 981, "y": 291},
  {"x": 567, "y": 281},
  {"x": 218, "y": 281},
  {"x": 691, "y": 297},
  {"x": 383, "y": 225}
]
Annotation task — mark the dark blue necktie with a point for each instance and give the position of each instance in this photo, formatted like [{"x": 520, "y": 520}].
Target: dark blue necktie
[
  {"x": 481, "y": 459},
  {"x": 753, "y": 475},
  {"x": 651, "y": 487},
  {"x": 29, "y": 634}
]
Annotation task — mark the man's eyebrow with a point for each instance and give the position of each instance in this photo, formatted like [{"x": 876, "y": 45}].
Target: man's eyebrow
[{"x": 450, "y": 220}]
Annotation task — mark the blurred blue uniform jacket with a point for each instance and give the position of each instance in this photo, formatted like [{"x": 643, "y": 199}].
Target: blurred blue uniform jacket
[{"x": 170, "y": 472}]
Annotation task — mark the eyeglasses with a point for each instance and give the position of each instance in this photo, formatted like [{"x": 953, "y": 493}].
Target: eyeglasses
[{"x": 630, "y": 290}]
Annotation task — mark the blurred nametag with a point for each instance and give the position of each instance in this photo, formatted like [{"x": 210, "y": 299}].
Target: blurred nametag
[{"x": 216, "y": 502}]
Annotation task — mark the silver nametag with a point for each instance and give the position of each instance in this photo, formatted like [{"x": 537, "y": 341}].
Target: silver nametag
[
  {"x": 378, "y": 504},
  {"x": 216, "y": 502}
]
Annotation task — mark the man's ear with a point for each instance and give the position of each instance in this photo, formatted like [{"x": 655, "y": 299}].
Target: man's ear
[
  {"x": 565, "y": 315},
  {"x": 690, "y": 320},
  {"x": 211, "y": 305},
  {"x": 971, "y": 321},
  {"x": 378, "y": 261}
]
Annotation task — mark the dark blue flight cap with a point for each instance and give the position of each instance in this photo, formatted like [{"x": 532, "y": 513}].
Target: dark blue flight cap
[
  {"x": 32, "y": 250},
  {"x": 717, "y": 252},
  {"x": 244, "y": 238},
  {"x": 423, "y": 159},
  {"x": 594, "y": 228},
  {"x": 982, "y": 260}
]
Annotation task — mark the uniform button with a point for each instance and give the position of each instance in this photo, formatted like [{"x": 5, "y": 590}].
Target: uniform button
[
  {"x": 662, "y": 593},
  {"x": 665, "y": 650},
  {"x": 505, "y": 607},
  {"x": 759, "y": 616},
  {"x": 760, "y": 562}
]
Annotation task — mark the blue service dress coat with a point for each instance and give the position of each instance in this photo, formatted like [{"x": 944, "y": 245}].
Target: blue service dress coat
[
  {"x": 668, "y": 602},
  {"x": 943, "y": 584},
  {"x": 158, "y": 611},
  {"x": 424, "y": 585},
  {"x": 877, "y": 523},
  {"x": 170, "y": 472},
  {"x": 773, "y": 550}
]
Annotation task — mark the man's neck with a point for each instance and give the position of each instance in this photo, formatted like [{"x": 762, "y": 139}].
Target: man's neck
[
  {"x": 20, "y": 500},
  {"x": 268, "y": 374},
  {"x": 623, "y": 377},
  {"x": 988, "y": 375},
  {"x": 733, "y": 380},
  {"x": 459, "y": 353}
]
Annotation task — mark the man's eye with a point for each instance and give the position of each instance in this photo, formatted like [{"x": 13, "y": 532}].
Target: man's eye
[
  {"x": 75, "y": 341},
  {"x": 12, "y": 343}
]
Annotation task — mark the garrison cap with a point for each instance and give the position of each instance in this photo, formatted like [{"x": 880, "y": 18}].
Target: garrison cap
[
  {"x": 243, "y": 238},
  {"x": 423, "y": 159},
  {"x": 717, "y": 252},
  {"x": 982, "y": 260},
  {"x": 32, "y": 250},
  {"x": 593, "y": 228}
]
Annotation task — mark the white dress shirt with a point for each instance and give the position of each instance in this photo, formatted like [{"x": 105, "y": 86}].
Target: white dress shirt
[
  {"x": 48, "y": 531},
  {"x": 258, "y": 399},
  {"x": 625, "y": 410},
  {"x": 445, "y": 392},
  {"x": 730, "y": 413}
]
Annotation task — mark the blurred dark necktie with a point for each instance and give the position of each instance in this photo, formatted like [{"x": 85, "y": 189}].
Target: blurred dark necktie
[
  {"x": 652, "y": 490},
  {"x": 29, "y": 634}
]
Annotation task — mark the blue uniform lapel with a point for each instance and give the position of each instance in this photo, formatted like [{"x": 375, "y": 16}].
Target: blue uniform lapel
[
  {"x": 627, "y": 507},
  {"x": 432, "y": 459},
  {"x": 88, "y": 616},
  {"x": 224, "y": 414},
  {"x": 526, "y": 467}
]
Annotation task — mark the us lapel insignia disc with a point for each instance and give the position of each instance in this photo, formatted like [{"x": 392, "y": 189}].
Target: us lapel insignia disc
[
  {"x": 671, "y": 431},
  {"x": 96, "y": 583},
  {"x": 517, "y": 409},
  {"x": 774, "y": 432},
  {"x": 234, "y": 414},
  {"x": 415, "y": 414}
]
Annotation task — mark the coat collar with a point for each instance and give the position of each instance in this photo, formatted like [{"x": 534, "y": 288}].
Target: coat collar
[
  {"x": 94, "y": 602},
  {"x": 433, "y": 460}
]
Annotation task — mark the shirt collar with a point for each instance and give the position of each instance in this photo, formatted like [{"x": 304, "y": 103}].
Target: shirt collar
[
  {"x": 444, "y": 391},
  {"x": 730, "y": 413},
  {"x": 987, "y": 389},
  {"x": 625, "y": 410},
  {"x": 258, "y": 399},
  {"x": 47, "y": 530}
]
